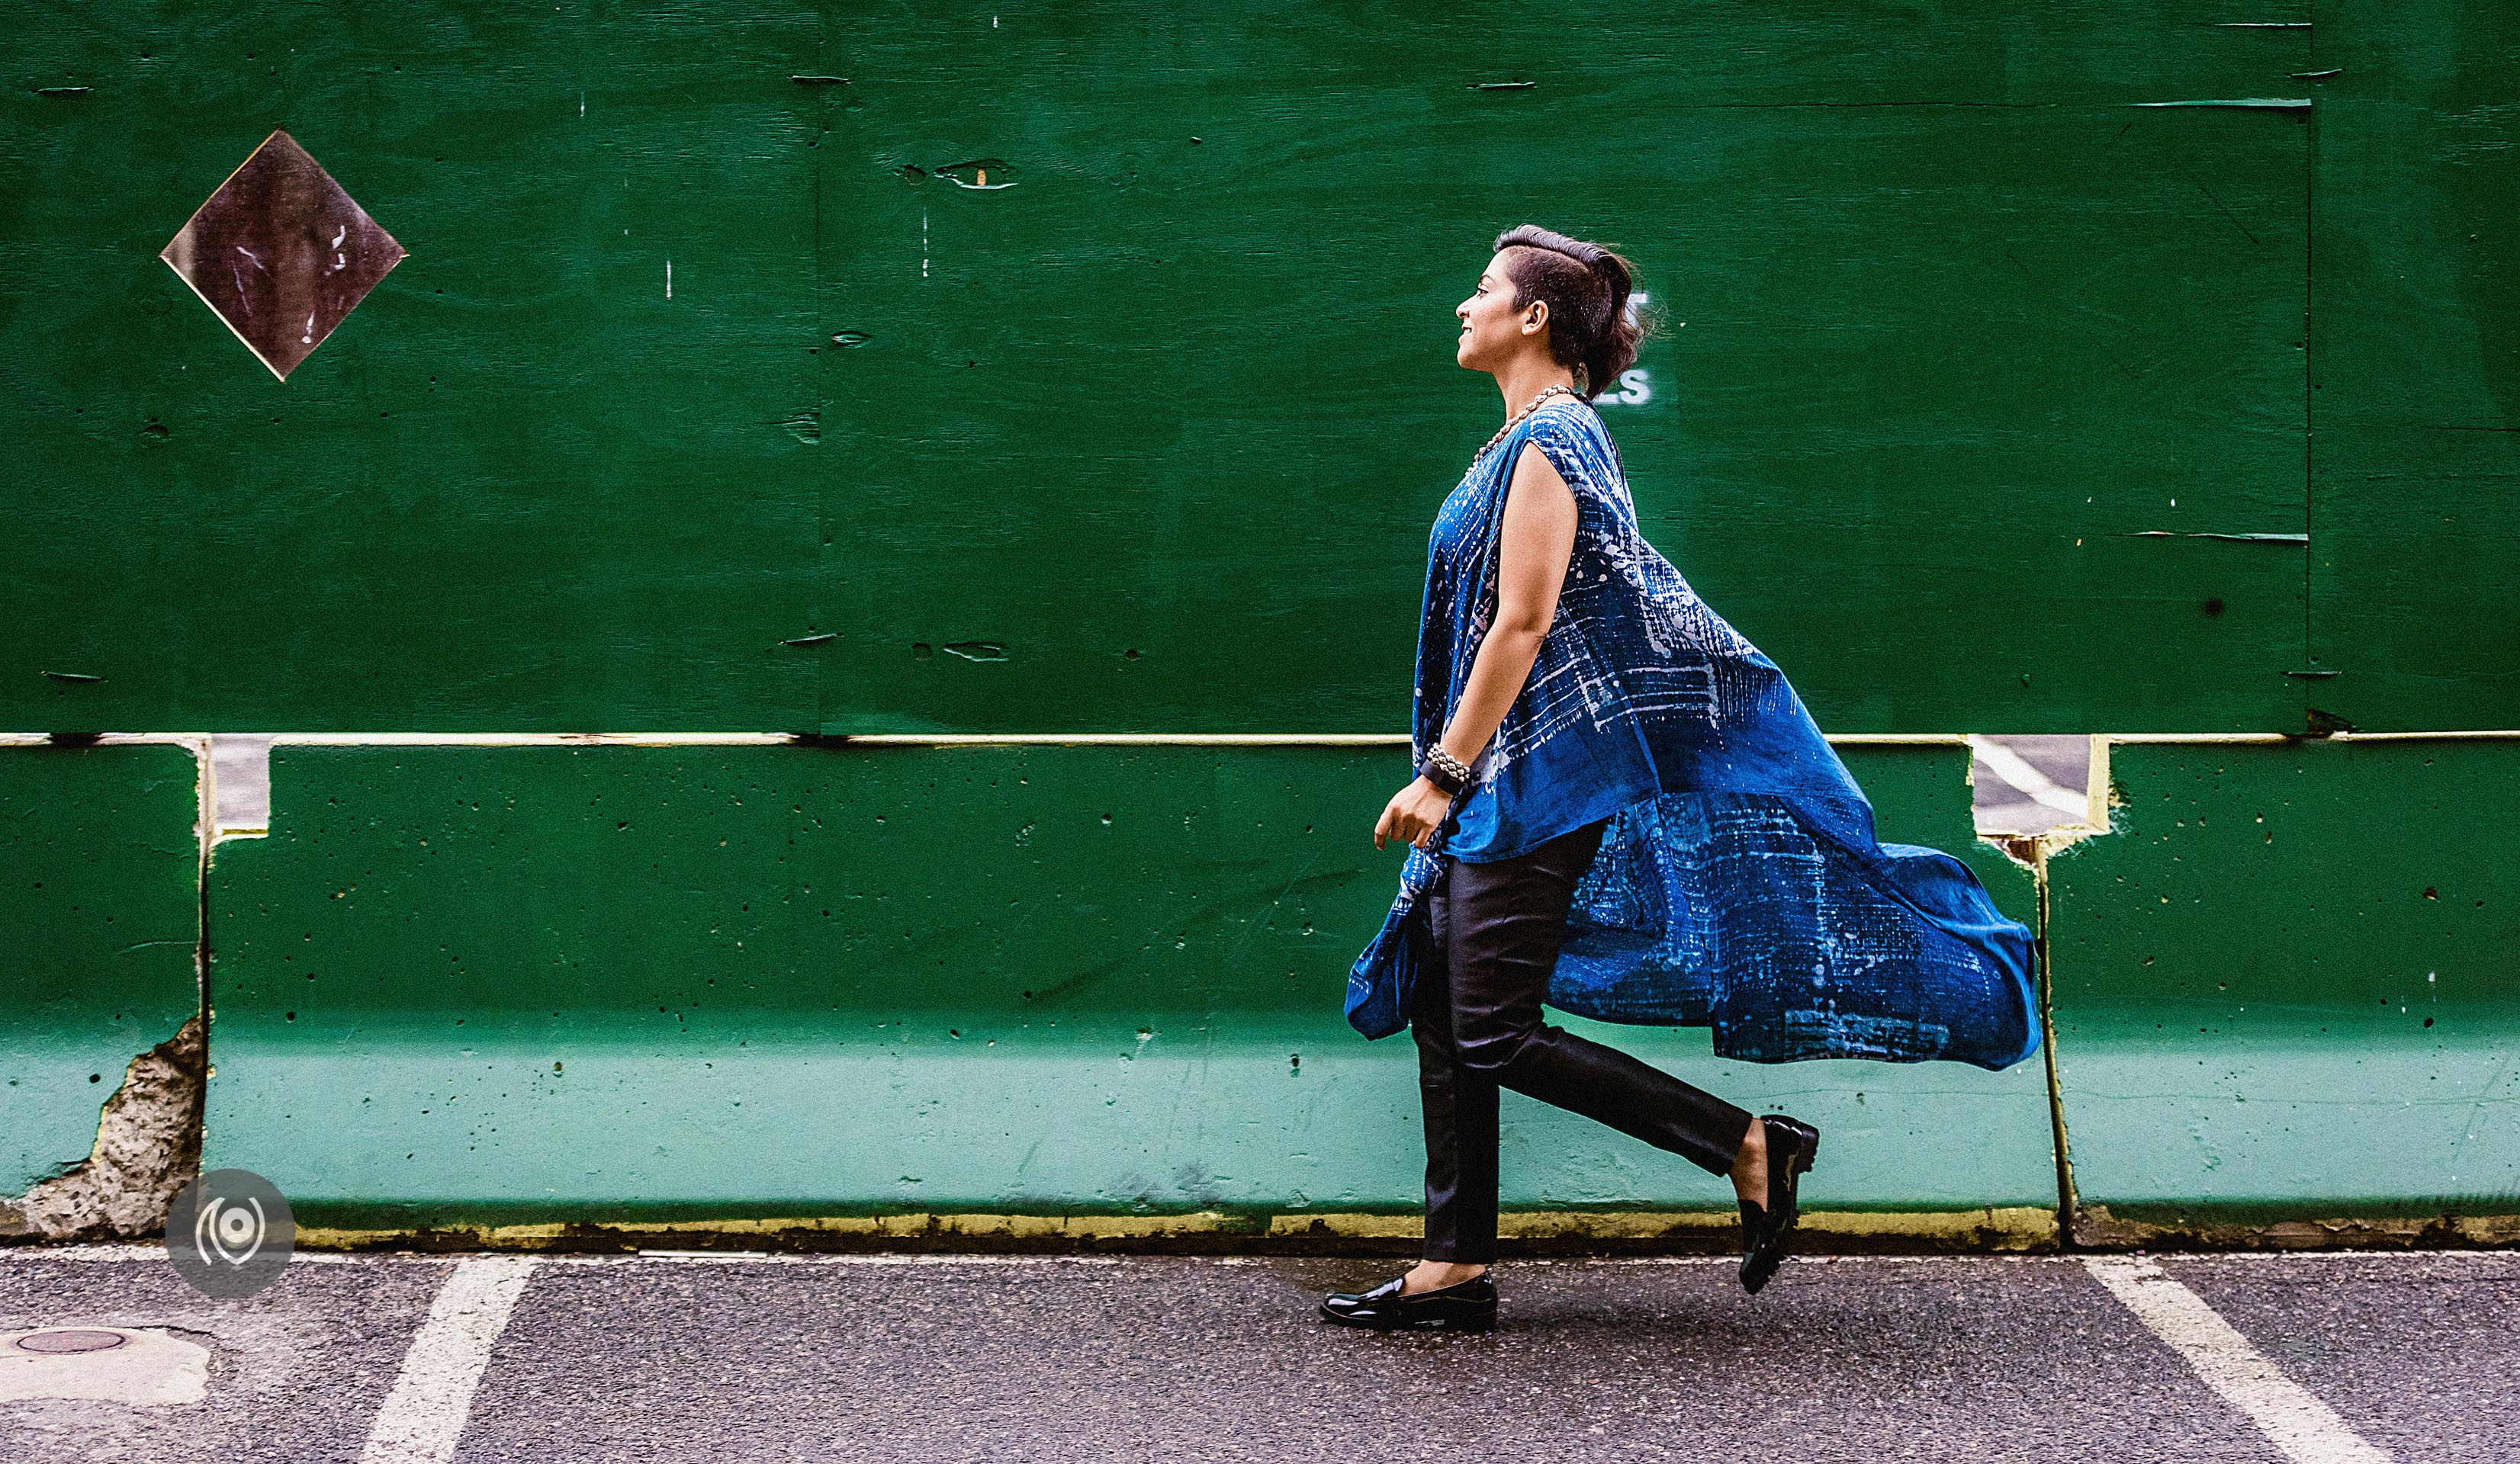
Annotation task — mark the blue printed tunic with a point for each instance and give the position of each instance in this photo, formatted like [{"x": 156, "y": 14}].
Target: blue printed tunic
[{"x": 1738, "y": 884}]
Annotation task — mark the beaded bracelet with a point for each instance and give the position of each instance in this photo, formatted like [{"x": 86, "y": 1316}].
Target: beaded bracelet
[{"x": 1444, "y": 771}]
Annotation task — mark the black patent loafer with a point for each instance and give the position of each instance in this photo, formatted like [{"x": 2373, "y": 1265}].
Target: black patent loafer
[
  {"x": 1471, "y": 1307},
  {"x": 1767, "y": 1230}
]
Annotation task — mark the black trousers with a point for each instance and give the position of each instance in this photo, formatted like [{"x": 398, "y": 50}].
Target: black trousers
[{"x": 1478, "y": 1019}]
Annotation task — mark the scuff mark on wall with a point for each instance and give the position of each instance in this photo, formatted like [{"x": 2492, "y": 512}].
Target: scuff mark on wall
[{"x": 147, "y": 1147}]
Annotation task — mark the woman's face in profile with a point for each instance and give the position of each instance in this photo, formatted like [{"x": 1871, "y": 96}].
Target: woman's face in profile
[{"x": 1491, "y": 326}]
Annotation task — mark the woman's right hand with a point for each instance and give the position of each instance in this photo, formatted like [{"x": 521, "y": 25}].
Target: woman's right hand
[{"x": 1414, "y": 813}]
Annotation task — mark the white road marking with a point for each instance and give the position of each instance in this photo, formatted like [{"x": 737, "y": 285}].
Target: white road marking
[
  {"x": 157, "y": 1253},
  {"x": 872, "y": 1257},
  {"x": 38, "y": 1252},
  {"x": 2307, "y": 1431},
  {"x": 424, "y": 1416},
  {"x": 16, "y": 1253},
  {"x": 13, "y": 1255}
]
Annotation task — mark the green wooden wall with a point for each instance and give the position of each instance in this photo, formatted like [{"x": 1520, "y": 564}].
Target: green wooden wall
[
  {"x": 1977, "y": 317},
  {"x": 2415, "y": 366}
]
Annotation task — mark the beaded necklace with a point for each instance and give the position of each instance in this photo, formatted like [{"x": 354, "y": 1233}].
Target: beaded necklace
[{"x": 1546, "y": 392}]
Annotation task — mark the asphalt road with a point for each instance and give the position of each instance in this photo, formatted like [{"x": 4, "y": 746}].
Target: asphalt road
[{"x": 2415, "y": 1357}]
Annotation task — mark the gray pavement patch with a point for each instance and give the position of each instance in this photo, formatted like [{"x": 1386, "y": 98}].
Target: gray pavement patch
[
  {"x": 145, "y": 1367},
  {"x": 293, "y": 1372}
]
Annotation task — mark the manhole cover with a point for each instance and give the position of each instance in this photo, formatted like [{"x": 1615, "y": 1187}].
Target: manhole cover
[{"x": 79, "y": 1340}]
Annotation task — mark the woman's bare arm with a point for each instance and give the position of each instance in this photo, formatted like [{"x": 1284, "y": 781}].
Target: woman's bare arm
[{"x": 1535, "y": 543}]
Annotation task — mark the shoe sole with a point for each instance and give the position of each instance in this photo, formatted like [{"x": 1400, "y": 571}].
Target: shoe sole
[{"x": 1437, "y": 1325}]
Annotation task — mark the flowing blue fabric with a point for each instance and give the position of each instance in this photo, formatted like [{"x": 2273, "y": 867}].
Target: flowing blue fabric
[{"x": 1738, "y": 884}]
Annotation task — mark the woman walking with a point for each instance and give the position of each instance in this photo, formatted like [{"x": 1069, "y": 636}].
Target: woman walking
[{"x": 1623, "y": 809}]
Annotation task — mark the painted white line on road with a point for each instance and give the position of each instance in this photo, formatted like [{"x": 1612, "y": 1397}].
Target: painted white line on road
[
  {"x": 2307, "y": 1431},
  {"x": 145, "y": 1252},
  {"x": 424, "y": 1416},
  {"x": 40, "y": 1251},
  {"x": 872, "y": 1257}
]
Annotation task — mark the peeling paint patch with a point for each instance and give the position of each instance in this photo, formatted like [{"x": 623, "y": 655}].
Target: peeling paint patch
[
  {"x": 978, "y": 650},
  {"x": 147, "y": 1147}
]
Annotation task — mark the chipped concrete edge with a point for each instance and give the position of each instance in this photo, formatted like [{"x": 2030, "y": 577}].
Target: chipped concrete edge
[
  {"x": 2009, "y": 1228},
  {"x": 148, "y": 1148}
]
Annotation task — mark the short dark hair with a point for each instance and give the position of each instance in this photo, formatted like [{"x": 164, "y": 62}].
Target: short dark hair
[{"x": 1585, "y": 287}]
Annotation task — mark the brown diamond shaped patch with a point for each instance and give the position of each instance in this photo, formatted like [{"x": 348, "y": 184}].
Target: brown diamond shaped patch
[{"x": 280, "y": 253}]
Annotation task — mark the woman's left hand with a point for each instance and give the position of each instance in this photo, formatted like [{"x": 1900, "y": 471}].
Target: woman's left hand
[{"x": 1414, "y": 813}]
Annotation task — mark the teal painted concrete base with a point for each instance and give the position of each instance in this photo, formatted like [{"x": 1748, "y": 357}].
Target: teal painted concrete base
[
  {"x": 1066, "y": 1123},
  {"x": 507, "y": 984}
]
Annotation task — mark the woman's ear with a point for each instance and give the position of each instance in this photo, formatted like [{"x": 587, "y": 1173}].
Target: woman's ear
[{"x": 1536, "y": 318}]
